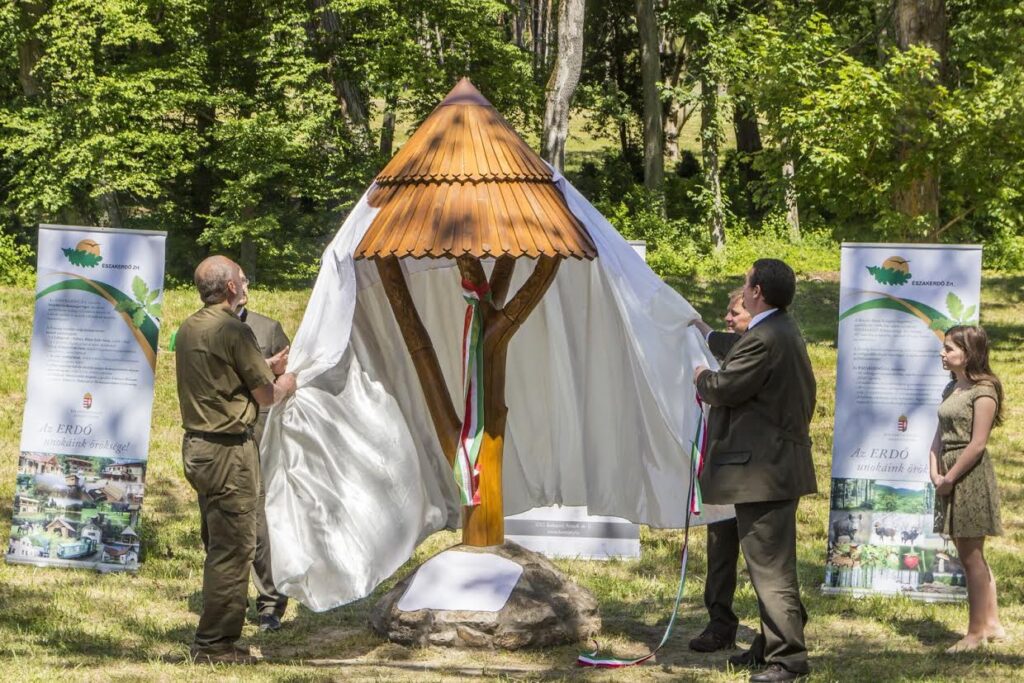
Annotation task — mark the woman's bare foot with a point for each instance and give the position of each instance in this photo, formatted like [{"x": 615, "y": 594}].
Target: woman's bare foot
[
  {"x": 967, "y": 643},
  {"x": 995, "y": 633}
]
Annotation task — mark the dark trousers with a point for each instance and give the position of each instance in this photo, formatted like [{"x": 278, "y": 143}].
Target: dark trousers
[
  {"x": 720, "y": 586},
  {"x": 268, "y": 599},
  {"x": 225, "y": 474},
  {"x": 767, "y": 533}
]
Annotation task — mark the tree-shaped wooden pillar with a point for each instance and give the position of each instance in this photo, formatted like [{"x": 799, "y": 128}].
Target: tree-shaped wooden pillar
[{"x": 467, "y": 187}]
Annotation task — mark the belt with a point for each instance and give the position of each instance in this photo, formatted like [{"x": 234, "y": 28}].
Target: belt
[{"x": 221, "y": 437}]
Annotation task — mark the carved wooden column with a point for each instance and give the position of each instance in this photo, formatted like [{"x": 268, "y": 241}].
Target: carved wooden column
[{"x": 483, "y": 524}]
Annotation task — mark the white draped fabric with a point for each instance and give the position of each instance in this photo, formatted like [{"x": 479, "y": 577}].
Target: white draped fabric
[{"x": 602, "y": 410}]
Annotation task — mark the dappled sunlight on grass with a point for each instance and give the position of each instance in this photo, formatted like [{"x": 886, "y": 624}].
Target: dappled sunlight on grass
[{"x": 117, "y": 627}]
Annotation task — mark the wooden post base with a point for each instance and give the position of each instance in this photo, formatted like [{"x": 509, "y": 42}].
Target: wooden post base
[{"x": 484, "y": 524}]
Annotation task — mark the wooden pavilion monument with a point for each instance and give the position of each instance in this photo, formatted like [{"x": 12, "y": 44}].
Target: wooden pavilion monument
[{"x": 467, "y": 187}]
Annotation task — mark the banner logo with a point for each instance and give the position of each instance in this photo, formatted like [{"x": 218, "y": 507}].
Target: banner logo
[
  {"x": 901, "y": 424},
  {"x": 894, "y": 270},
  {"x": 86, "y": 254},
  {"x": 87, "y": 401}
]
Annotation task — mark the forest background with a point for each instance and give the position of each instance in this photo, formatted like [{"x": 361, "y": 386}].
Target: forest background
[{"x": 713, "y": 129}]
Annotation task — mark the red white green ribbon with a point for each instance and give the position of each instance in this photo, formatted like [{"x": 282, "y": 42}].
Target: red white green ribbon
[
  {"x": 467, "y": 471},
  {"x": 697, "y": 451},
  {"x": 693, "y": 507}
]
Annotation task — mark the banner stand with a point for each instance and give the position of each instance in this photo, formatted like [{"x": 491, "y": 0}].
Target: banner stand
[
  {"x": 85, "y": 432},
  {"x": 896, "y": 301}
]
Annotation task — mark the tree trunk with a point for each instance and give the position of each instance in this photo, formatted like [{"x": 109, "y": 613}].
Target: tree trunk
[
  {"x": 387, "y": 129},
  {"x": 349, "y": 101},
  {"x": 31, "y": 49},
  {"x": 674, "y": 114},
  {"x": 550, "y": 30},
  {"x": 565, "y": 76},
  {"x": 650, "y": 68},
  {"x": 792, "y": 206},
  {"x": 111, "y": 207},
  {"x": 748, "y": 143},
  {"x": 710, "y": 142},
  {"x": 520, "y": 25},
  {"x": 920, "y": 22},
  {"x": 247, "y": 254},
  {"x": 540, "y": 33},
  {"x": 711, "y": 128}
]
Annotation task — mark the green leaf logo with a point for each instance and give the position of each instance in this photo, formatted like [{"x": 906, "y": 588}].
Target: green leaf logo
[
  {"x": 958, "y": 315},
  {"x": 85, "y": 255},
  {"x": 888, "y": 276},
  {"x": 894, "y": 270},
  {"x": 144, "y": 304}
]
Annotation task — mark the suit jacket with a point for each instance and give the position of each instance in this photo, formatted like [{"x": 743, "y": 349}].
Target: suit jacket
[
  {"x": 721, "y": 343},
  {"x": 271, "y": 338},
  {"x": 763, "y": 398}
]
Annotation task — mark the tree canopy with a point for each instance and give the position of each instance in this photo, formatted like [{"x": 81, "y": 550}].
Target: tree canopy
[{"x": 251, "y": 128}]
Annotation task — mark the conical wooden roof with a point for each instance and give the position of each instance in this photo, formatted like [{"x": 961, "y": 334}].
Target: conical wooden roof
[{"x": 466, "y": 183}]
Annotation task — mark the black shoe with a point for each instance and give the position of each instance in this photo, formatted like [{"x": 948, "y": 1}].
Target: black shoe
[
  {"x": 775, "y": 672},
  {"x": 710, "y": 641},
  {"x": 746, "y": 660},
  {"x": 269, "y": 622}
]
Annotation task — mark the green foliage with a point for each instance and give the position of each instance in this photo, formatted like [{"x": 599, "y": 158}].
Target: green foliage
[
  {"x": 15, "y": 261},
  {"x": 863, "y": 120},
  {"x": 252, "y": 126}
]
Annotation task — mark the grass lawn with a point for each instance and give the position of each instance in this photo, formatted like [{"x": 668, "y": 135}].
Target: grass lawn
[{"x": 78, "y": 625}]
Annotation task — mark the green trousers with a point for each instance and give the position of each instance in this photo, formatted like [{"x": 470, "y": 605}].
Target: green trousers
[
  {"x": 225, "y": 472},
  {"x": 767, "y": 533}
]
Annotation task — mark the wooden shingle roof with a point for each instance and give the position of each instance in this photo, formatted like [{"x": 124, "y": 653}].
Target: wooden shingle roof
[{"x": 466, "y": 183}]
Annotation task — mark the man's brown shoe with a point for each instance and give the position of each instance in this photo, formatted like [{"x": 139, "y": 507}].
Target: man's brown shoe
[
  {"x": 710, "y": 641},
  {"x": 232, "y": 655}
]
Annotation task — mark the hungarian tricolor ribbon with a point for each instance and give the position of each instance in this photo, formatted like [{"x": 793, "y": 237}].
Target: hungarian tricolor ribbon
[
  {"x": 693, "y": 507},
  {"x": 467, "y": 471}
]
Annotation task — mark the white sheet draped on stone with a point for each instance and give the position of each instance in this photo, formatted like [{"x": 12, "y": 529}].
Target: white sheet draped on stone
[{"x": 599, "y": 391}]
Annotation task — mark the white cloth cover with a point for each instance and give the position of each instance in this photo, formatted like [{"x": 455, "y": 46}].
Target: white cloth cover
[
  {"x": 455, "y": 580},
  {"x": 601, "y": 403}
]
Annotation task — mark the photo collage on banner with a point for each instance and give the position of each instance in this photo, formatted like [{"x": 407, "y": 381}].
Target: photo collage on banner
[
  {"x": 895, "y": 303},
  {"x": 85, "y": 434}
]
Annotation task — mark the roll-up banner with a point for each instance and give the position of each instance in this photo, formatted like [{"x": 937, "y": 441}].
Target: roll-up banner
[
  {"x": 85, "y": 432},
  {"x": 895, "y": 303}
]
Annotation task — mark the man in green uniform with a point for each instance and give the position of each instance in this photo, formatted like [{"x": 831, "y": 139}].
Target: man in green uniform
[
  {"x": 222, "y": 380},
  {"x": 270, "y": 604}
]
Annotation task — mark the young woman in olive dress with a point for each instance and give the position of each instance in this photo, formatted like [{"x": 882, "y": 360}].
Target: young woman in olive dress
[{"x": 967, "y": 500}]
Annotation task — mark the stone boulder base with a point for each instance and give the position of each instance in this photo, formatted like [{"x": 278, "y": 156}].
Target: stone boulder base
[{"x": 544, "y": 609}]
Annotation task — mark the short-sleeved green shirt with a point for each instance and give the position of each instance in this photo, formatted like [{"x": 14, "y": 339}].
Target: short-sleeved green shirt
[{"x": 219, "y": 364}]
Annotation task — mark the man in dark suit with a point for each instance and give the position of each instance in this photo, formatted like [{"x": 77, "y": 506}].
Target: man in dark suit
[
  {"x": 270, "y": 604},
  {"x": 723, "y": 543},
  {"x": 760, "y": 459}
]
